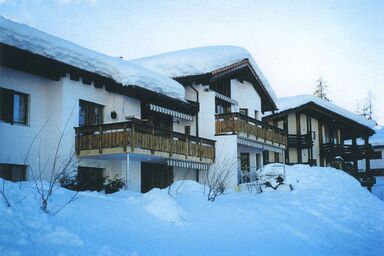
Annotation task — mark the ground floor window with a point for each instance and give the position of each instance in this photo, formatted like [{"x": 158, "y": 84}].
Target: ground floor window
[
  {"x": 244, "y": 161},
  {"x": 13, "y": 172},
  {"x": 258, "y": 160},
  {"x": 265, "y": 157},
  {"x": 90, "y": 178},
  {"x": 277, "y": 157}
]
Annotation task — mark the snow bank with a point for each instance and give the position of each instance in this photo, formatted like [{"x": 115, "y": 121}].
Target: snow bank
[
  {"x": 328, "y": 213},
  {"x": 33, "y": 40},
  {"x": 287, "y": 103},
  {"x": 162, "y": 206},
  {"x": 200, "y": 60}
]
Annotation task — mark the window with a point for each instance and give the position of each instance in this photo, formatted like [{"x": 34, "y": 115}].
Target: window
[
  {"x": 258, "y": 160},
  {"x": 244, "y": 161},
  {"x": 265, "y": 157},
  {"x": 244, "y": 111},
  {"x": 13, "y": 172},
  {"x": 187, "y": 129},
  {"x": 256, "y": 114},
  {"x": 89, "y": 178},
  {"x": 222, "y": 107},
  {"x": 277, "y": 157},
  {"x": 90, "y": 113},
  {"x": 13, "y": 106}
]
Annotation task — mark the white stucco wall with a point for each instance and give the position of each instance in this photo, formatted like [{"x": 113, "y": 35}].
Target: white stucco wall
[
  {"x": 247, "y": 97},
  {"x": 16, "y": 139}
]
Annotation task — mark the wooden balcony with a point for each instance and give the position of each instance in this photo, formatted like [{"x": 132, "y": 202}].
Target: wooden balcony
[
  {"x": 237, "y": 123},
  {"x": 300, "y": 141},
  {"x": 134, "y": 136},
  {"x": 347, "y": 152}
]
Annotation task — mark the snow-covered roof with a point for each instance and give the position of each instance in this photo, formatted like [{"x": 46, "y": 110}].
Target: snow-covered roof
[
  {"x": 287, "y": 103},
  {"x": 127, "y": 73},
  {"x": 201, "y": 60}
]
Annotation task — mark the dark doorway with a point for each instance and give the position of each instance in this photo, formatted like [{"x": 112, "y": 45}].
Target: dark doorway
[{"x": 155, "y": 176}]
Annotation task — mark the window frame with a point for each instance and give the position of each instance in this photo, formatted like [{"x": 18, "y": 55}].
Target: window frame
[
  {"x": 88, "y": 106},
  {"x": 7, "y": 115}
]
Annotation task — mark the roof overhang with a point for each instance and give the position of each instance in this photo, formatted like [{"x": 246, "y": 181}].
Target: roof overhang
[
  {"x": 322, "y": 113},
  {"x": 28, "y": 62}
]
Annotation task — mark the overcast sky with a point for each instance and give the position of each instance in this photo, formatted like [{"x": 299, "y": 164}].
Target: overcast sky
[{"x": 293, "y": 42}]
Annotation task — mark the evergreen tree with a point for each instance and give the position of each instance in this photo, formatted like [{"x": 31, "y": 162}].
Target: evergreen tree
[{"x": 321, "y": 89}]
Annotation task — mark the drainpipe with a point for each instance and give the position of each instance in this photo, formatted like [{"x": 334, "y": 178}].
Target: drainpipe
[
  {"x": 197, "y": 124},
  {"x": 197, "y": 115}
]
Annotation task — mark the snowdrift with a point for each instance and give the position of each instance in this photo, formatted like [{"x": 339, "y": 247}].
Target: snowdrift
[{"x": 327, "y": 213}]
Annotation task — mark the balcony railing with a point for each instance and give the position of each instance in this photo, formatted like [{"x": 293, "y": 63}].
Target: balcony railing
[
  {"x": 300, "y": 141},
  {"x": 239, "y": 123},
  {"x": 135, "y": 135},
  {"x": 347, "y": 152}
]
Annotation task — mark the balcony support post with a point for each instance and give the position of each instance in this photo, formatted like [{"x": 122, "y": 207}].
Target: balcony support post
[
  {"x": 367, "y": 147},
  {"x": 354, "y": 154},
  {"x": 100, "y": 140}
]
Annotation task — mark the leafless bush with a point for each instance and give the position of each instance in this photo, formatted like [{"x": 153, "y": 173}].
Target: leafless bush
[
  {"x": 218, "y": 177},
  {"x": 4, "y": 195},
  {"x": 48, "y": 172}
]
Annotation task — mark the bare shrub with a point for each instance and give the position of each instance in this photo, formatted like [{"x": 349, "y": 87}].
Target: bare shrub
[
  {"x": 218, "y": 177},
  {"x": 56, "y": 167}
]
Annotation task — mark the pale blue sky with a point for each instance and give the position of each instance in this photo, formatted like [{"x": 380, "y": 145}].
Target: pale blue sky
[{"x": 294, "y": 42}]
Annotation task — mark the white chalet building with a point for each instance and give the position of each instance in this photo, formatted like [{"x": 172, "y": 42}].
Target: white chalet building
[{"x": 149, "y": 121}]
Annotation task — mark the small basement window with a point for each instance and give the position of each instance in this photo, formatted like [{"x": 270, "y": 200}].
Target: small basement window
[
  {"x": 13, "y": 172},
  {"x": 13, "y": 106}
]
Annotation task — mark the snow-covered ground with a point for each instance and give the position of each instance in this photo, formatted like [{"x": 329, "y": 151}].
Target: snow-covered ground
[{"x": 327, "y": 213}]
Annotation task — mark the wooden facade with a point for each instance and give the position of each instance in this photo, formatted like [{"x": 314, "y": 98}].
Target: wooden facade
[{"x": 135, "y": 136}]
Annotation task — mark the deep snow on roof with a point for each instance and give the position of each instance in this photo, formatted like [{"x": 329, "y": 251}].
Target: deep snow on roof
[
  {"x": 201, "y": 60},
  {"x": 27, "y": 38},
  {"x": 287, "y": 103}
]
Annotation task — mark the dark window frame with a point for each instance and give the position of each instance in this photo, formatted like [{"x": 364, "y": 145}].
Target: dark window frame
[
  {"x": 245, "y": 166},
  {"x": 223, "y": 105},
  {"x": 7, "y": 106},
  {"x": 89, "y": 117}
]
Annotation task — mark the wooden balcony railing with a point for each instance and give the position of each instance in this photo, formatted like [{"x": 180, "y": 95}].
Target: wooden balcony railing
[
  {"x": 347, "y": 152},
  {"x": 135, "y": 134},
  {"x": 300, "y": 141},
  {"x": 239, "y": 123}
]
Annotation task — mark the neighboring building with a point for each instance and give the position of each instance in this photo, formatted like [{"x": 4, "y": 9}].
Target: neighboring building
[
  {"x": 119, "y": 118},
  {"x": 232, "y": 95},
  {"x": 318, "y": 132}
]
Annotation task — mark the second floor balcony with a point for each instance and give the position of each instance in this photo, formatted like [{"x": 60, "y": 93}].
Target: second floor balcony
[
  {"x": 135, "y": 136},
  {"x": 236, "y": 123}
]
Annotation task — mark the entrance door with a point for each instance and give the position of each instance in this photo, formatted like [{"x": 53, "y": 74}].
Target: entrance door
[{"x": 155, "y": 176}]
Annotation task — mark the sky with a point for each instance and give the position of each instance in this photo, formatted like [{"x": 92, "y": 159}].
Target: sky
[{"x": 293, "y": 42}]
